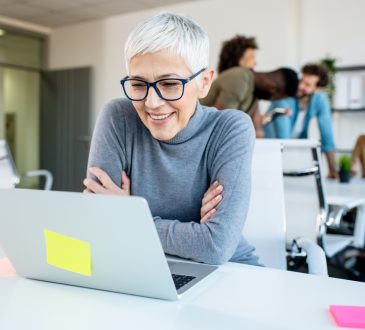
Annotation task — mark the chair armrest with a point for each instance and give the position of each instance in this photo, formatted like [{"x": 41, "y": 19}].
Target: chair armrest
[
  {"x": 47, "y": 174},
  {"x": 316, "y": 258}
]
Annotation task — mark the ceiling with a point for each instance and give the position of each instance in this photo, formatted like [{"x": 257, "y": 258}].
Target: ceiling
[{"x": 55, "y": 13}]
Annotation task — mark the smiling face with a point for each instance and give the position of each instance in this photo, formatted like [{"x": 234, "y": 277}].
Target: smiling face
[
  {"x": 164, "y": 119},
  {"x": 248, "y": 59},
  {"x": 307, "y": 85}
]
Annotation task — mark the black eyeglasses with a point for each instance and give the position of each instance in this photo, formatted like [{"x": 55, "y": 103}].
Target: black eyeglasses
[{"x": 168, "y": 89}]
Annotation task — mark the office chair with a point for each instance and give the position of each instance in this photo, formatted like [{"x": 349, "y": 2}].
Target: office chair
[
  {"x": 307, "y": 208},
  {"x": 266, "y": 223},
  {"x": 305, "y": 203},
  {"x": 9, "y": 176},
  {"x": 346, "y": 220}
]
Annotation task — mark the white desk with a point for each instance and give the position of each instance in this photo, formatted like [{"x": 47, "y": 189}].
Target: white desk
[
  {"x": 355, "y": 189},
  {"x": 235, "y": 297}
]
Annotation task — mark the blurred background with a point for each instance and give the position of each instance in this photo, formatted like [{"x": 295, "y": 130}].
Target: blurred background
[{"x": 61, "y": 61}]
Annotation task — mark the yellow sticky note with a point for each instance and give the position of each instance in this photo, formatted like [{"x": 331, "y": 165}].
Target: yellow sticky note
[{"x": 68, "y": 253}]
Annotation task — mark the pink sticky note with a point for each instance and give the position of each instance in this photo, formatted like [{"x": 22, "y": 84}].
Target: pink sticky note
[
  {"x": 6, "y": 268},
  {"x": 349, "y": 316}
]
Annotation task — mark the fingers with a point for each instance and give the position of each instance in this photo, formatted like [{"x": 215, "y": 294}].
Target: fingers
[
  {"x": 265, "y": 119},
  {"x": 105, "y": 184},
  {"x": 207, "y": 216},
  {"x": 126, "y": 183},
  {"x": 206, "y": 208},
  {"x": 212, "y": 192},
  {"x": 93, "y": 187},
  {"x": 103, "y": 177},
  {"x": 87, "y": 191},
  {"x": 210, "y": 189},
  {"x": 211, "y": 199},
  {"x": 212, "y": 186}
]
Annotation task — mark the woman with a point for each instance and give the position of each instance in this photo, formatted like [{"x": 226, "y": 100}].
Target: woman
[
  {"x": 161, "y": 144},
  {"x": 238, "y": 51}
]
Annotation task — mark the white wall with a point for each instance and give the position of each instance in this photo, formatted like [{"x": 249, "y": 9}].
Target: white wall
[
  {"x": 79, "y": 46},
  {"x": 335, "y": 27},
  {"x": 100, "y": 43},
  {"x": 21, "y": 98}
]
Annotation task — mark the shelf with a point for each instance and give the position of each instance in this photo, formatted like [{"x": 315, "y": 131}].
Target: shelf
[
  {"x": 343, "y": 151},
  {"x": 348, "y": 110},
  {"x": 351, "y": 68}
]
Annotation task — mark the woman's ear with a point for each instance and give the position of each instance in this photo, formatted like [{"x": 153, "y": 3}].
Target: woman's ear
[{"x": 206, "y": 82}]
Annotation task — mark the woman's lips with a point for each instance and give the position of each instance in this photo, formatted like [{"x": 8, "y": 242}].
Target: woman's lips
[{"x": 160, "y": 118}]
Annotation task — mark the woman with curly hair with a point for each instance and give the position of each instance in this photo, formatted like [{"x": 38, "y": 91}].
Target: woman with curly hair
[{"x": 238, "y": 51}]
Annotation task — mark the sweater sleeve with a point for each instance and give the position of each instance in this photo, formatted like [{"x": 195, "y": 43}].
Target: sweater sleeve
[
  {"x": 107, "y": 148},
  {"x": 215, "y": 241}
]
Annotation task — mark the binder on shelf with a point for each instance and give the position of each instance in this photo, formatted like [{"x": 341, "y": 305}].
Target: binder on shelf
[{"x": 356, "y": 92}]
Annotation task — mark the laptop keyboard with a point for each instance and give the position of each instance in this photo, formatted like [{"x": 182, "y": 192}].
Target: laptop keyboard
[{"x": 181, "y": 280}]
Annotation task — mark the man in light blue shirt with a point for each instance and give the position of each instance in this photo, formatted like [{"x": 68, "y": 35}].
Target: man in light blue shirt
[{"x": 311, "y": 102}]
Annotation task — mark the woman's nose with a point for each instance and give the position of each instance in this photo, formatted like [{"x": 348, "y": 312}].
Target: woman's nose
[{"x": 153, "y": 100}]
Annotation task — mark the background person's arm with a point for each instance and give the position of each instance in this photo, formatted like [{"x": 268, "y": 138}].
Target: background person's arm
[
  {"x": 216, "y": 240},
  {"x": 324, "y": 120},
  {"x": 331, "y": 161},
  {"x": 358, "y": 155},
  {"x": 257, "y": 120},
  {"x": 282, "y": 124}
]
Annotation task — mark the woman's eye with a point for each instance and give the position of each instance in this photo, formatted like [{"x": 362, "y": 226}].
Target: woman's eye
[
  {"x": 138, "y": 85},
  {"x": 170, "y": 84}
]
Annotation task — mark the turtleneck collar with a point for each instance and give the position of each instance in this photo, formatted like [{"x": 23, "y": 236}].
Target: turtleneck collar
[{"x": 191, "y": 128}]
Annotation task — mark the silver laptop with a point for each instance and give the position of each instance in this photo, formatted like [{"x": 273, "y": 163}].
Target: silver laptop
[{"x": 101, "y": 242}]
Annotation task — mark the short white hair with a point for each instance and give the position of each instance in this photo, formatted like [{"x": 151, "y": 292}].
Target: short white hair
[{"x": 178, "y": 34}]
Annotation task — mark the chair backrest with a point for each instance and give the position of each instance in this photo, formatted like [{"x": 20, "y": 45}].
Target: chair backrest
[
  {"x": 305, "y": 203},
  {"x": 265, "y": 224},
  {"x": 8, "y": 175}
]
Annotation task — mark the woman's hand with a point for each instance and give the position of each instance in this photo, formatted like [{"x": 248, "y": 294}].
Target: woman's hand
[
  {"x": 107, "y": 186},
  {"x": 211, "y": 199}
]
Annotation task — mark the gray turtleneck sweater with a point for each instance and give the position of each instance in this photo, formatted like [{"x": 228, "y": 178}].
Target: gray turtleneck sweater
[{"x": 173, "y": 176}]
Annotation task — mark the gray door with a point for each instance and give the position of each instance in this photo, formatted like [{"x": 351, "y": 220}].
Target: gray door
[{"x": 64, "y": 126}]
